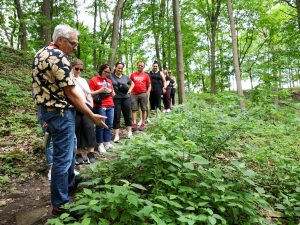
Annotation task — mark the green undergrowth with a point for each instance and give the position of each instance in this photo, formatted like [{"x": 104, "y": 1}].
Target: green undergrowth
[
  {"x": 20, "y": 134},
  {"x": 206, "y": 163}
]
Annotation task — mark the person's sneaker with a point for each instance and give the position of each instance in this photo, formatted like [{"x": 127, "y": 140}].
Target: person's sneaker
[
  {"x": 79, "y": 159},
  {"x": 49, "y": 174},
  {"x": 101, "y": 148},
  {"x": 134, "y": 127},
  {"x": 117, "y": 139},
  {"x": 129, "y": 135},
  {"x": 168, "y": 110},
  {"x": 91, "y": 157},
  {"x": 142, "y": 127},
  {"x": 76, "y": 172},
  {"x": 164, "y": 111},
  {"x": 108, "y": 146}
]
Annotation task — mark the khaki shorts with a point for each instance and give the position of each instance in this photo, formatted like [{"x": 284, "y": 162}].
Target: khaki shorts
[{"x": 139, "y": 100}]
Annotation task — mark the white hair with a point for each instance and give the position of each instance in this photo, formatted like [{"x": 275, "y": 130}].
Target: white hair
[{"x": 63, "y": 30}]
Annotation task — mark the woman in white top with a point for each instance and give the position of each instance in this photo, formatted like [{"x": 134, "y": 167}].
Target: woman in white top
[{"x": 85, "y": 131}]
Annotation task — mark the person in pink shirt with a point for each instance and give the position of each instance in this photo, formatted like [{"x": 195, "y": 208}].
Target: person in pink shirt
[
  {"x": 102, "y": 85},
  {"x": 140, "y": 94}
]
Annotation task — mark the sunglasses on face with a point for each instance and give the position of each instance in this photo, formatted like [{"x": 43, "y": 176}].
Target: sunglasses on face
[
  {"x": 77, "y": 69},
  {"x": 107, "y": 72}
]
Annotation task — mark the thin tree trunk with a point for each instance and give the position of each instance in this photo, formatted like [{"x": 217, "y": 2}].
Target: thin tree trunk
[
  {"x": 94, "y": 34},
  {"x": 213, "y": 29},
  {"x": 155, "y": 33},
  {"x": 235, "y": 55},
  {"x": 22, "y": 29},
  {"x": 179, "y": 51},
  {"x": 77, "y": 27},
  {"x": 46, "y": 22},
  {"x": 115, "y": 33}
]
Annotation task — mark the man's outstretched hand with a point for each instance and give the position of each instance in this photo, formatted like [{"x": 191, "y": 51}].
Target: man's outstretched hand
[{"x": 99, "y": 120}]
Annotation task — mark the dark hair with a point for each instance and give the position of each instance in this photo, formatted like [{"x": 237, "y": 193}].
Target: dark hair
[
  {"x": 118, "y": 63},
  {"x": 102, "y": 68},
  {"x": 155, "y": 62}
]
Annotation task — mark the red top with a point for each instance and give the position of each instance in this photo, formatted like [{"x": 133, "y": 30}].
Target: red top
[
  {"x": 141, "y": 82},
  {"x": 97, "y": 83}
]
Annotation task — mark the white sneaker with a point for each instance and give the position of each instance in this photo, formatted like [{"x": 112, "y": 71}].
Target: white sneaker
[
  {"x": 49, "y": 174},
  {"x": 117, "y": 138},
  {"x": 129, "y": 135},
  {"x": 76, "y": 172},
  {"x": 101, "y": 148},
  {"x": 164, "y": 111},
  {"x": 108, "y": 146},
  {"x": 139, "y": 123},
  {"x": 168, "y": 110}
]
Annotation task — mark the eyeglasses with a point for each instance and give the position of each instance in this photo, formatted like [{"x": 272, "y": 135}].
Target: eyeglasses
[
  {"x": 77, "y": 69},
  {"x": 73, "y": 43}
]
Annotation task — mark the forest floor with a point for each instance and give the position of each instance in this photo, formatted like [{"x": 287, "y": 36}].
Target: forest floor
[{"x": 27, "y": 200}]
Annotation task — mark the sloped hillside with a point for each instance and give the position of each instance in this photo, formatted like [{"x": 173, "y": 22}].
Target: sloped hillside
[{"x": 20, "y": 135}]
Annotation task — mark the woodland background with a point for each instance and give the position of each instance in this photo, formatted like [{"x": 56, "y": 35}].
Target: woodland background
[{"x": 207, "y": 162}]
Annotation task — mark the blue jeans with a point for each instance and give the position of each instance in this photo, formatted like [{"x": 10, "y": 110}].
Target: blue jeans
[
  {"x": 61, "y": 124},
  {"x": 105, "y": 135},
  {"x": 49, "y": 151}
]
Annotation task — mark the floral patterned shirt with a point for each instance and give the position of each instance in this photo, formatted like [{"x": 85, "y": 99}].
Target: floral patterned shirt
[{"x": 51, "y": 72}]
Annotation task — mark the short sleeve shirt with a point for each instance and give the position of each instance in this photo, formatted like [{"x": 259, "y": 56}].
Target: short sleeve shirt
[
  {"x": 118, "y": 83},
  {"x": 97, "y": 83},
  {"x": 141, "y": 82},
  {"x": 51, "y": 71}
]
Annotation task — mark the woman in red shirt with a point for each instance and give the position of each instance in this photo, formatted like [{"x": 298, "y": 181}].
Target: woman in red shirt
[{"x": 101, "y": 84}]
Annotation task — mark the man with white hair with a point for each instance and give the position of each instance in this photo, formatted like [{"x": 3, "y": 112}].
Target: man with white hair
[{"x": 54, "y": 91}]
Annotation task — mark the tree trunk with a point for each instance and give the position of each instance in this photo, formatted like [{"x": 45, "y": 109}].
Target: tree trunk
[
  {"x": 22, "y": 28},
  {"x": 298, "y": 12},
  {"x": 94, "y": 35},
  {"x": 115, "y": 33},
  {"x": 46, "y": 22},
  {"x": 155, "y": 33},
  {"x": 179, "y": 51},
  {"x": 213, "y": 29},
  {"x": 235, "y": 54}
]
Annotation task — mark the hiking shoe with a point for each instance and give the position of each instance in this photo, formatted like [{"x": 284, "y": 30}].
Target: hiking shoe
[
  {"x": 78, "y": 179},
  {"x": 79, "y": 159},
  {"x": 91, "y": 157},
  {"x": 117, "y": 139},
  {"x": 108, "y": 146},
  {"x": 134, "y": 127},
  {"x": 142, "y": 127},
  {"x": 101, "y": 148},
  {"x": 129, "y": 135},
  {"x": 168, "y": 110}
]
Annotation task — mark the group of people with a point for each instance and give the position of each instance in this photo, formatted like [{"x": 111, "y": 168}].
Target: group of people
[{"x": 69, "y": 106}]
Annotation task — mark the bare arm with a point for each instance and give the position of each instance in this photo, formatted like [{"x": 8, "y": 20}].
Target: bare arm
[
  {"x": 81, "y": 106},
  {"x": 131, "y": 87},
  {"x": 164, "y": 81},
  {"x": 149, "y": 89}
]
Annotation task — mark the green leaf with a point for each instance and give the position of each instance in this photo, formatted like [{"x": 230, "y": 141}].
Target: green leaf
[
  {"x": 133, "y": 199},
  {"x": 200, "y": 160},
  {"x": 157, "y": 219},
  {"x": 212, "y": 220},
  {"x": 201, "y": 217},
  {"x": 189, "y": 165},
  {"x": 107, "y": 180},
  {"x": 64, "y": 215},
  {"x": 113, "y": 214},
  {"x": 86, "y": 221},
  {"x": 88, "y": 192},
  {"x": 103, "y": 222},
  {"x": 93, "y": 202},
  {"x": 138, "y": 186}
]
